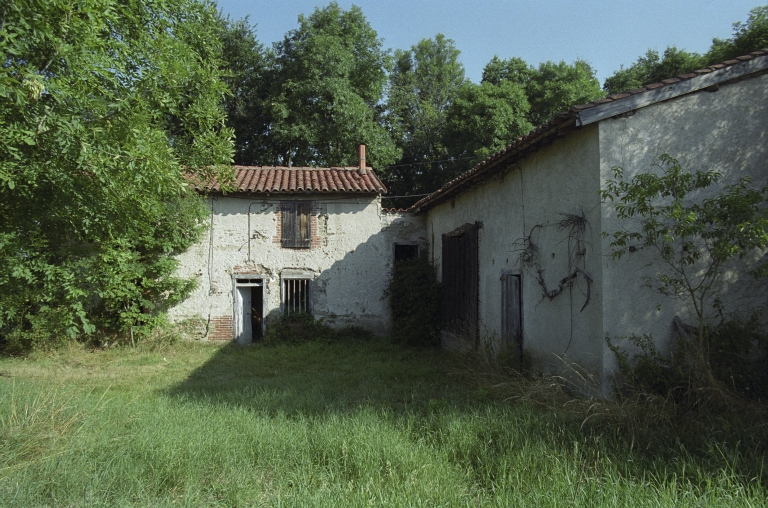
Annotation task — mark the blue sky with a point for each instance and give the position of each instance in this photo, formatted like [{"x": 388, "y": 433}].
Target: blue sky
[{"x": 605, "y": 33}]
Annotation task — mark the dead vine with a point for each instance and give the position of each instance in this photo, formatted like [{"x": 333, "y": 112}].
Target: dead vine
[
  {"x": 565, "y": 283},
  {"x": 528, "y": 255}
]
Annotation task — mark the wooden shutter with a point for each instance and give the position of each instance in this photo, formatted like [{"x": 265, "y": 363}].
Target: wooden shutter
[
  {"x": 296, "y": 231},
  {"x": 303, "y": 234}
]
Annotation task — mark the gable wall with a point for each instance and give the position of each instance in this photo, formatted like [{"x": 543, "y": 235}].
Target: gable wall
[
  {"x": 727, "y": 131},
  {"x": 349, "y": 262},
  {"x": 528, "y": 199}
]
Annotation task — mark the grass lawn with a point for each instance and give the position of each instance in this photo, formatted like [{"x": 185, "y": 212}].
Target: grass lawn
[{"x": 350, "y": 423}]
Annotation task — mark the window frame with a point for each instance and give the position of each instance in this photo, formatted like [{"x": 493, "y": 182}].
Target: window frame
[
  {"x": 286, "y": 307},
  {"x": 296, "y": 233}
]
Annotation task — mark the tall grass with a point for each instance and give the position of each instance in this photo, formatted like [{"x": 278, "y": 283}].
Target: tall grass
[{"x": 351, "y": 423}]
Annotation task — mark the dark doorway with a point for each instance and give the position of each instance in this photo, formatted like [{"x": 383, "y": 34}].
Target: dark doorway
[
  {"x": 460, "y": 283},
  {"x": 404, "y": 251},
  {"x": 257, "y": 313},
  {"x": 248, "y": 326}
]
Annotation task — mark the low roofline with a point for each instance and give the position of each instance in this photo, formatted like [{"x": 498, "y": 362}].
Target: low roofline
[
  {"x": 585, "y": 114},
  {"x": 261, "y": 180}
]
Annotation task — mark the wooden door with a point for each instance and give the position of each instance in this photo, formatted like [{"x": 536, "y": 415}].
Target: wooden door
[
  {"x": 460, "y": 288},
  {"x": 242, "y": 315},
  {"x": 511, "y": 314}
]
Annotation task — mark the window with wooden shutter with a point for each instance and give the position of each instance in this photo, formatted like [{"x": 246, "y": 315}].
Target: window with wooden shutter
[{"x": 296, "y": 232}]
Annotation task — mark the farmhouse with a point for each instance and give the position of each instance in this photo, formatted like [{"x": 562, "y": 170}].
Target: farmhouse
[
  {"x": 517, "y": 241},
  {"x": 296, "y": 240}
]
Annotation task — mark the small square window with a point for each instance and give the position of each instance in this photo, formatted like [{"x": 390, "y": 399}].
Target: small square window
[
  {"x": 297, "y": 296},
  {"x": 296, "y": 232}
]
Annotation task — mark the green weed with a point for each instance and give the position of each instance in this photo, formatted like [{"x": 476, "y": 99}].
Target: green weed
[{"x": 340, "y": 423}]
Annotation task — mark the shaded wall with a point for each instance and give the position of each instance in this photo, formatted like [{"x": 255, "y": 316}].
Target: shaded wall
[
  {"x": 724, "y": 130},
  {"x": 531, "y": 199}
]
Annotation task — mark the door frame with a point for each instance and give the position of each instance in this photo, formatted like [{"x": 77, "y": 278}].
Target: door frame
[{"x": 249, "y": 280}]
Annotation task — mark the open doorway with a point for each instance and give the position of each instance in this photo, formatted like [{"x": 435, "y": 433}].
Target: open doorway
[{"x": 248, "y": 309}]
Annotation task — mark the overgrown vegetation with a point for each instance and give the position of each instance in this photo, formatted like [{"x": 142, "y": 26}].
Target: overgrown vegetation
[
  {"x": 103, "y": 106},
  {"x": 300, "y": 327},
  {"x": 350, "y": 423},
  {"x": 695, "y": 231},
  {"x": 735, "y": 352},
  {"x": 414, "y": 300}
]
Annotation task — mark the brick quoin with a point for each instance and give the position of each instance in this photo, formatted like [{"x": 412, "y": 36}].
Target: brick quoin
[{"x": 220, "y": 328}]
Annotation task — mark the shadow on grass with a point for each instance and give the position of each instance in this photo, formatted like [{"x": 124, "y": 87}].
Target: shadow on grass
[
  {"x": 328, "y": 379},
  {"x": 323, "y": 377}
]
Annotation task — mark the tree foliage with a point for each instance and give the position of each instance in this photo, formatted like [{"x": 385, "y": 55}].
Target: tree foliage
[
  {"x": 551, "y": 88},
  {"x": 747, "y": 37},
  {"x": 694, "y": 237},
  {"x": 485, "y": 118},
  {"x": 328, "y": 82},
  {"x": 651, "y": 68},
  {"x": 249, "y": 72},
  {"x": 102, "y": 105},
  {"x": 424, "y": 82}
]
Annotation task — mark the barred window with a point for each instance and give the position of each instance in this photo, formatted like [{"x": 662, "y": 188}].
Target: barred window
[
  {"x": 297, "y": 296},
  {"x": 296, "y": 232}
]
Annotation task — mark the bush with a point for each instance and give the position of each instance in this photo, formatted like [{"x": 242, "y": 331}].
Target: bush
[
  {"x": 303, "y": 327},
  {"x": 738, "y": 356},
  {"x": 414, "y": 299},
  {"x": 734, "y": 353}
]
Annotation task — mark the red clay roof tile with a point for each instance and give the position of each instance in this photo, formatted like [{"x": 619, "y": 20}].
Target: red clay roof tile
[{"x": 259, "y": 179}]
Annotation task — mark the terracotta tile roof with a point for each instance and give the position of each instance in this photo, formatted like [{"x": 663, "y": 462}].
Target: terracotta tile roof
[
  {"x": 577, "y": 116},
  {"x": 261, "y": 179}
]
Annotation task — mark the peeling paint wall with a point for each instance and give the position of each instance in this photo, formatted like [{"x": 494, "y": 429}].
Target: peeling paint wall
[{"x": 349, "y": 262}]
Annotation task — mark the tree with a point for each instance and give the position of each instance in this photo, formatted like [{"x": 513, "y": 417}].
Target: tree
[
  {"x": 747, "y": 37},
  {"x": 103, "y": 105},
  {"x": 551, "y": 88},
  {"x": 651, "y": 68},
  {"x": 485, "y": 118},
  {"x": 693, "y": 232},
  {"x": 424, "y": 82},
  {"x": 249, "y": 71},
  {"x": 326, "y": 94},
  {"x": 555, "y": 87}
]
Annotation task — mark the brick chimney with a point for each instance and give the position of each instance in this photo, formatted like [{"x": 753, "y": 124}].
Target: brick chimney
[{"x": 361, "y": 152}]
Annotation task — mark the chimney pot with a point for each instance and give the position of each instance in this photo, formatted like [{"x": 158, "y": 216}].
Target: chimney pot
[{"x": 361, "y": 152}]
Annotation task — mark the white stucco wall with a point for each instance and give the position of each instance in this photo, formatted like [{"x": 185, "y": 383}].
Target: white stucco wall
[
  {"x": 726, "y": 131},
  {"x": 349, "y": 268},
  {"x": 559, "y": 179}
]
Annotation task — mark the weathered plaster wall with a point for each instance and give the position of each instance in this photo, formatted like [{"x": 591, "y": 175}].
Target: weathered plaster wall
[
  {"x": 726, "y": 131},
  {"x": 529, "y": 199},
  {"x": 350, "y": 263}
]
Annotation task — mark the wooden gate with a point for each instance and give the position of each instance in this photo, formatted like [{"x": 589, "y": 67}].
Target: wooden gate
[{"x": 460, "y": 288}]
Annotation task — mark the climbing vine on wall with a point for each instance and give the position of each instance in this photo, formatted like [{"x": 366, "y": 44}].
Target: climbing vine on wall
[{"x": 529, "y": 256}]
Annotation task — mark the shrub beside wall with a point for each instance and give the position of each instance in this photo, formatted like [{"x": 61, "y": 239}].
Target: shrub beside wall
[{"x": 414, "y": 299}]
